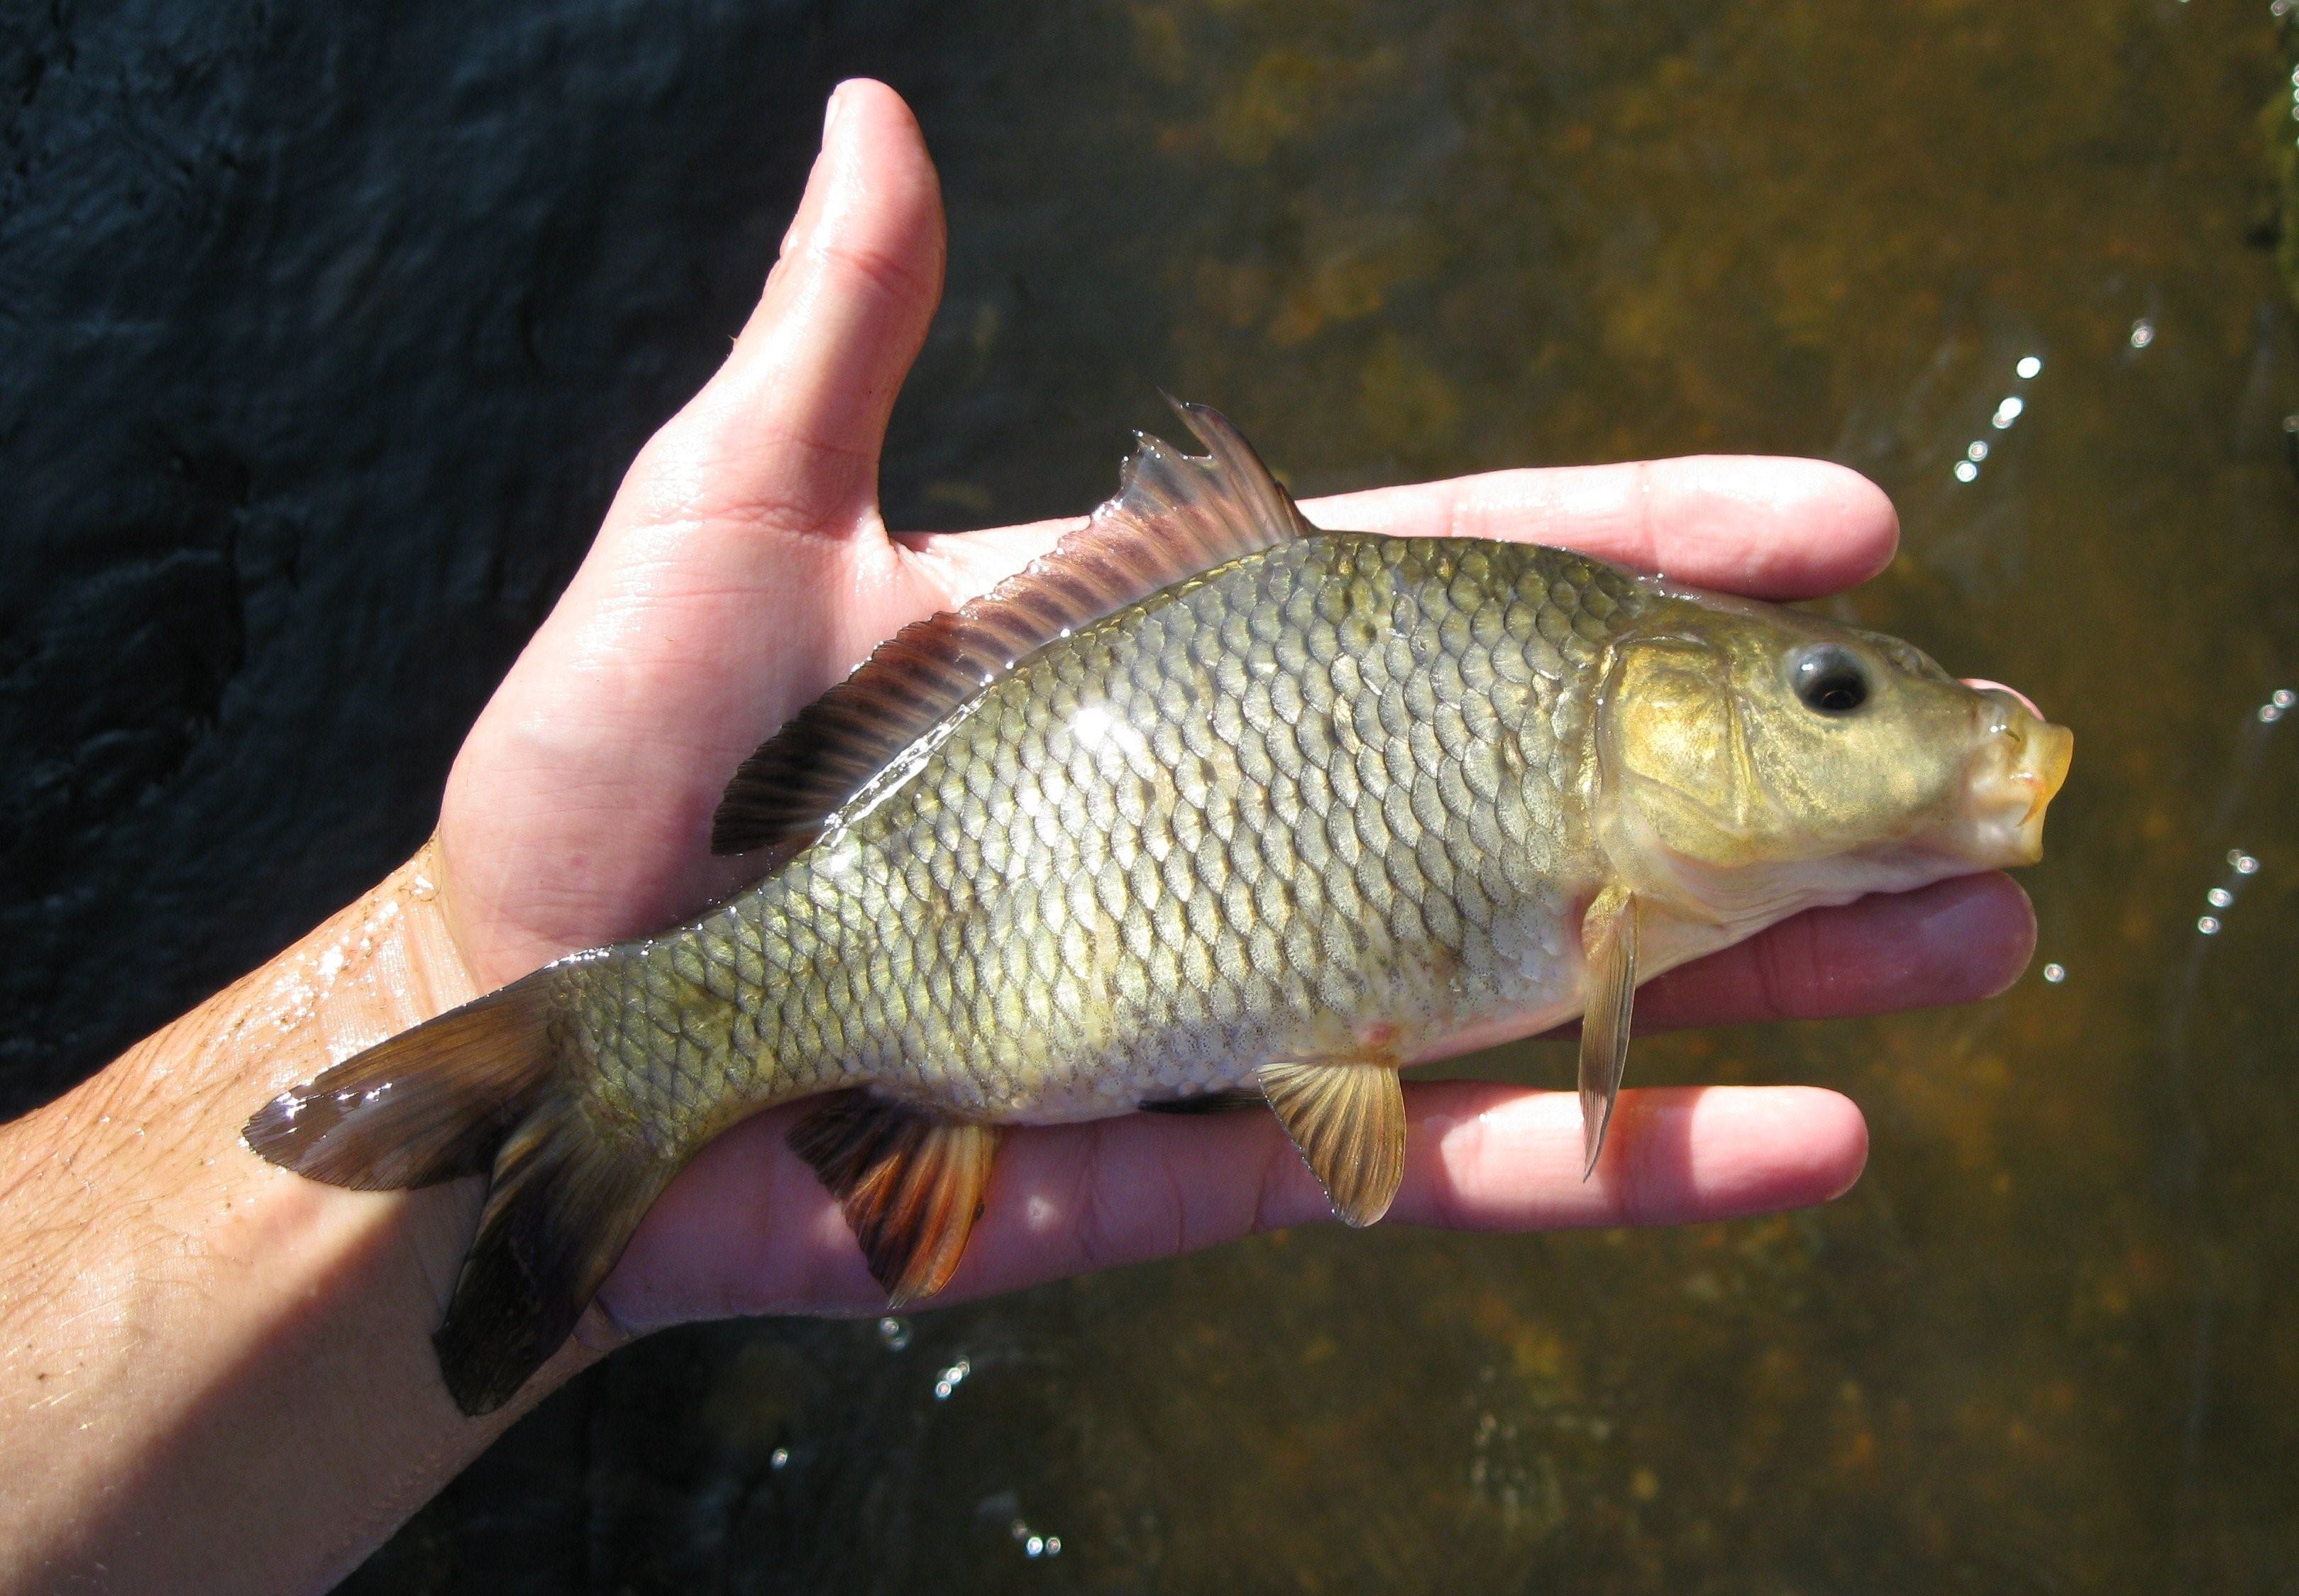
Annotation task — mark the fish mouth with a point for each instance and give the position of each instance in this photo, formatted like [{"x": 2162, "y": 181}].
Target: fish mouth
[{"x": 2022, "y": 761}]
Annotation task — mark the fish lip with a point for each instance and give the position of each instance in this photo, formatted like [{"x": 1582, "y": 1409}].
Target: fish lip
[{"x": 2022, "y": 762}]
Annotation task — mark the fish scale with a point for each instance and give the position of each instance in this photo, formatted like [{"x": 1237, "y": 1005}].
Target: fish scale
[{"x": 1130, "y": 873}]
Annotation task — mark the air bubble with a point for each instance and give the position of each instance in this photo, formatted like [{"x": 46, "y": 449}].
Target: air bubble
[
  {"x": 1966, "y": 471},
  {"x": 1978, "y": 451},
  {"x": 2219, "y": 897},
  {"x": 778, "y": 1458},
  {"x": 2028, "y": 367},
  {"x": 950, "y": 1379},
  {"x": 2008, "y": 412},
  {"x": 2143, "y": 333},
  {"x": 2208, "y": 926},
  {"x": 2242, "y": 863},
  {"x": 2055, "y": 972},
  {"x": 1033, "y": 1544},
  {"x": 894, "y": 1334}
]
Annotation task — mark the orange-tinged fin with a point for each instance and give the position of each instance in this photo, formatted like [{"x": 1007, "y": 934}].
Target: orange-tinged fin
[
  {"x": 1608, "y": 948},
  {"x": 910, "y": 1183},
  {"x": 565, "y": 1199},
  {"x": 1175, "y": 516},
  {"x": 427, "y": 1105},
  {"x": 1347, "y": 1120}
]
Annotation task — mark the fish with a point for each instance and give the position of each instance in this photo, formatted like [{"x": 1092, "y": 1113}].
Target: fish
[{"x": 1209, "y": 805}]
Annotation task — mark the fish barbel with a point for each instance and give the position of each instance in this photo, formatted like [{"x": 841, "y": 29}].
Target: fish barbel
[{"x": 1208, "y": 801}]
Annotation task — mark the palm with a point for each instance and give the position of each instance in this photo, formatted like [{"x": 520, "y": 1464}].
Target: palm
[{"x": 744, "y": 567}]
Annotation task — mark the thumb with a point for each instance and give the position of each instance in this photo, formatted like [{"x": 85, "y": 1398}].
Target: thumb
[{"x": 787, "y": 435}]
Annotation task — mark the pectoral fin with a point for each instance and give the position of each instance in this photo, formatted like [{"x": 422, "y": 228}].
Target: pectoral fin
[
  {"x": 1347, "y": 1118},
  {"x": 910, "y": 1184},
  {"x": 1608, "y": 948}
]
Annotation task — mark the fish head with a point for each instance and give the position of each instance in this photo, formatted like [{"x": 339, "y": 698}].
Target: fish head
[{"x": 1751, "y": 760}]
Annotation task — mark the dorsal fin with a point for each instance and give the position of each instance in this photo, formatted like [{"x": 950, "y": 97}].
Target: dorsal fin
[{"x": 1174, "y": 516}]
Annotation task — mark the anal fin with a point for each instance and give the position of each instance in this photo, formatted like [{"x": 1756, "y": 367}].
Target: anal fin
[
  {"x": 1608, "y": 948},
  {"x": 910, "y": 1183},
  {"x": 1346, "y": 1116}
]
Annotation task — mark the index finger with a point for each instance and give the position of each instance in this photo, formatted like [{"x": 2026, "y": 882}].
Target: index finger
[{"x": 1769, "y": 526}]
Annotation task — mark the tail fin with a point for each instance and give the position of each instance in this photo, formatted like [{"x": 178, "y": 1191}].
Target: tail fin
[
  {"x": 561, "y": 1208},
  {"x": 426, "y": 1106},
  {"x": 479, "y": 1089}
]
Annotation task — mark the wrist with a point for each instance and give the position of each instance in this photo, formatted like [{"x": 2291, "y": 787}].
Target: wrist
[{"x": 193, "y": 1339}]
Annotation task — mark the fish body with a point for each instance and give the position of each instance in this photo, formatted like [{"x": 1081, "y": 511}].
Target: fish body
[
  {"x": 1211, "y": 801},
  {"x": 1337, "y": 786}
]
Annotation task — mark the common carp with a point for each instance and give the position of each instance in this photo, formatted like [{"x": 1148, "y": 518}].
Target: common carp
[{"x": 1206, "y": 803}]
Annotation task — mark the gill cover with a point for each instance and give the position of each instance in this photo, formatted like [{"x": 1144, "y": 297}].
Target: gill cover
[{"x": 1673, "y": 766}]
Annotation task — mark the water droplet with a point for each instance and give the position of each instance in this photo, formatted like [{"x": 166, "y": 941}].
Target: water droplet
[
  {"x": 2007, "y": 413},
  {"x": 2055, "y": 972},
  {"x": 894, "y": 1334},
  {"x": 2028, "y": 367},
  {"x": 2143, "y": 333},
  {"x": 1966, "y": 471},
  {"x": 2208, "y": 926},
  {"x": 2219, "y": 897},
  {"x": 1978, "y": 451}
]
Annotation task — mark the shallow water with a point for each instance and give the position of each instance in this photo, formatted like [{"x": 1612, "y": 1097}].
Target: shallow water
[{"x": 2045, "y": 1344}]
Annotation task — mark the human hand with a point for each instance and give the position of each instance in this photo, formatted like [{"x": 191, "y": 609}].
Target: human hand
[{"x": 744, "y": 567}]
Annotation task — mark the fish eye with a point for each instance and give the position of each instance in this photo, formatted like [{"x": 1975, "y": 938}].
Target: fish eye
[{"x": 1830, "y": 680}]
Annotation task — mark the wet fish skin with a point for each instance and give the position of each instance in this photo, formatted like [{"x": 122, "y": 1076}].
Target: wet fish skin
[
  {"x": 1210, "y": 799},
  {"x": 1328, "y": 792}
]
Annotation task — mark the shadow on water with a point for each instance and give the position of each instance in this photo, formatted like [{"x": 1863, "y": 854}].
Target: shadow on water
[{"x": 2011, "y": 262}]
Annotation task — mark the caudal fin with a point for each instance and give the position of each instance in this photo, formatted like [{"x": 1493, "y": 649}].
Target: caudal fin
[
  {"x": 425, "y": 1106},
  {"x": 480, "y": 1090},
  {"x": 560, "y": 1209}
]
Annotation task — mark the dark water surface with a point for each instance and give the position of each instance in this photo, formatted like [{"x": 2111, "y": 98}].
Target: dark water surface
[{"x": 327, "y": 339}]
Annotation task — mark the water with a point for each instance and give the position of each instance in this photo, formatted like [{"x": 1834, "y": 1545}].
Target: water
[{"x": 2010, "y": 260}]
